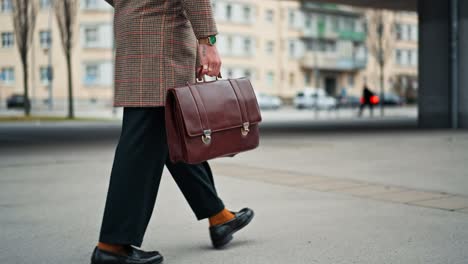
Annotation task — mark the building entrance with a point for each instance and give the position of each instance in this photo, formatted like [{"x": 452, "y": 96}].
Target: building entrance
[{"x": 330, "y": 86}]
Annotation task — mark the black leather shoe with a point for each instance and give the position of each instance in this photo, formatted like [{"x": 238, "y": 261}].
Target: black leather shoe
[
  {"x": 135, "y": 256},
  {"x": 145, "y": 254},
  {"x": 221, "y": 235}
]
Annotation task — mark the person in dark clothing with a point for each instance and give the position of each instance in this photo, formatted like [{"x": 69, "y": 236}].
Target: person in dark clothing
[{"x": 367, "y": 95}]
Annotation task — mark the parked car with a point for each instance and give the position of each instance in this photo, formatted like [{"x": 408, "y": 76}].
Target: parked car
[
  {"x": 314, "y": 98},
  {"x": 349, "y": 102},
  {"x": 266, "y": 101},
  {"x": 16, "y": 101},
  {"x": 391, "y": 99}
]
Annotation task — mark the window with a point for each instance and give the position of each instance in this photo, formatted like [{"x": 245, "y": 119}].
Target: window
[
  {"x": 229, "y": 44},
  {"x": 409, "y": 61},
  {"x": 292, "y": 18},
  {"x": 5, "y": 6},
  {"x": 229, "y": 12},
  {"x": 270, "y": 15},
  {"x": 247, "y": 13},
  {"x": 7, "y": 40},
  {"x": 45, "y": 74},
  {"x": 91, "y": 74},
  {"x": 321, "y": 45},
  {"x": 8, "y": 75},
  {"x": 410, "y": 32},
  {"x": 270, "y": 47},
  {"x": 91, "y": 36},
  {"x": 45, "y": 39},
  {"x": 352, "y": 24},
  {"x": 416, "y": 33},
  {"x": 398, "y": 57},
  {"x": 247, "y": 45},
  {"x": 308, "y": 21},
  {"x": 351, "y": 80},
  {"x": 308, "y": 78},
  {"x": 45, "y": 4},
  {"x": 398, "y": 32},
  {"x": 331, "y": 46},
  {"x": 270, "y": 79},
  {"x": 292, "y": 49},
  {"x": 415, "y": 61},
  {"x": 321, "y": 24},
  {"x": 335, "y": 23}
]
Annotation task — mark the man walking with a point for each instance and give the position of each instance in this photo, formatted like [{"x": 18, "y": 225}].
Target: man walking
[
  {"x": 158, "y": 43},
  {"x": 366, "y": 100}
]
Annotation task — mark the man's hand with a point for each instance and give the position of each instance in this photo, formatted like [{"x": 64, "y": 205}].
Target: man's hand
[{"x": 209, "y": 60}]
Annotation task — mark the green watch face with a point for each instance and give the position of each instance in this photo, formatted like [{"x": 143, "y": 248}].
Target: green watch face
[{"x": 212, "y": 40}]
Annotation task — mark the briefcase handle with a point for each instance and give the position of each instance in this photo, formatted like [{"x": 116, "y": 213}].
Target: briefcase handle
[{"x": 201, "y": 78}]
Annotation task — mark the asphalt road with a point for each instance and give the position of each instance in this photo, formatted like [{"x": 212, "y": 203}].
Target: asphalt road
[{"x": 53, "y": 180}]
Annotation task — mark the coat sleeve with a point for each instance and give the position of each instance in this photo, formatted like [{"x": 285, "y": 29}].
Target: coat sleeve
[
  {"x": 111, "y": 2},
  {"x": 200, "y": 15}
]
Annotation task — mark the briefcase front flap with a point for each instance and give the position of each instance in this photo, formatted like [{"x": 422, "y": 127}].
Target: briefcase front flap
[{"x": 216, "y": 106}]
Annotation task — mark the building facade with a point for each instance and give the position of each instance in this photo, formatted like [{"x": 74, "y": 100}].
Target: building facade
[
  {"x": 285, "y": 46},
  {"x": 92, "y": 58},
  {"x": 282, "y": 46}
]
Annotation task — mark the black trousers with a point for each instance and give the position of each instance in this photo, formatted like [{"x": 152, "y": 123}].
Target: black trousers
[
  {"x": 139, "y": 161},
  {"x": 371, "y": 107}
]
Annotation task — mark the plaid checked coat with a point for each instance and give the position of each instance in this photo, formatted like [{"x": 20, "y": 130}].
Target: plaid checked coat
[{"x": 156, "y": 47}]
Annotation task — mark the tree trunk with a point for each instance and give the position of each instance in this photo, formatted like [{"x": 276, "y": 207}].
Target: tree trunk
[
  {"x": 382, "y": 90},
  {"x": 71, "y": 113},
  {"x": 27, "y": 105}
]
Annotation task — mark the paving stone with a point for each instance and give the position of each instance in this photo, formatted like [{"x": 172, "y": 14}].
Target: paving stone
[
  {"x": 409, "y": 196},
  {"x": 237, "y": 170},
  {"x": 268, "y": 175},
  {"x": 351, "y": 187},
  {"x": 292, "y": 180},
  {"x": 369, "y": 190},
  {"x": 448, "y": 203},
  {"x": 333, "y": 185}
]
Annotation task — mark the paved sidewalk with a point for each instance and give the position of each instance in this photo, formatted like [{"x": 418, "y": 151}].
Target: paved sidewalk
[
  {"x": 320, "y": 197},
  {"x": 51, "y": 214}
]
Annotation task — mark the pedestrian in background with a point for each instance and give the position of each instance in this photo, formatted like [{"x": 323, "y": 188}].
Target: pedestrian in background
[
  {"x": 158, "y": 43},
  {"x": 367, "y": 100}
]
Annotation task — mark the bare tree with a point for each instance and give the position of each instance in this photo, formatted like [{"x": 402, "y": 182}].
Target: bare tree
[
  {"x": 66, "y": 12},
  {"x": 24, "y": 21},
  {"x": 380, "y": 42}
]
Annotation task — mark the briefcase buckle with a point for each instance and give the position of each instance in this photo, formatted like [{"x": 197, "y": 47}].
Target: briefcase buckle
[
  {"x": 206, "y": 138},
  {"x": 245, "y": 129}
]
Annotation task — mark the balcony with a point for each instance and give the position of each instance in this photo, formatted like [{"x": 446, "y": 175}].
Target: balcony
[
  {"x": 333, "y": 61},
  {"x": 334, "y": 35},
  {"x": 352, "y": 36}
]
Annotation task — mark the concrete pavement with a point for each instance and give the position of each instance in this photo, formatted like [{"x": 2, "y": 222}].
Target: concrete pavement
[{"x": 307, "y": 188}]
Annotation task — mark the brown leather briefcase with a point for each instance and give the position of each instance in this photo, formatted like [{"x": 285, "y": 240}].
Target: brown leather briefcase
[{"x": 213, "y": 119}]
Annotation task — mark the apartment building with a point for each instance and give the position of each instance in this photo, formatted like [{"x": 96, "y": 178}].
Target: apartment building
[
  {"x": 92, "y": 63},
  {"x": 282, "y": 46},
  {"x": 285, "y": 46}
]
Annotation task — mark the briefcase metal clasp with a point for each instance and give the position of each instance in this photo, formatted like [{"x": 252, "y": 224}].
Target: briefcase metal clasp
[{"x": 206, "y": 138}]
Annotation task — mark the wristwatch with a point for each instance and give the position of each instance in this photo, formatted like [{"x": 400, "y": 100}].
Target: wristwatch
[{"x": 211, "y": 40}]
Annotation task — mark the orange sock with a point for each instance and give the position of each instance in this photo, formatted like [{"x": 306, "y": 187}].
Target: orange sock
[
  {"x": 221, "y": 217},
  {"x": 117, "y": 249}
]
